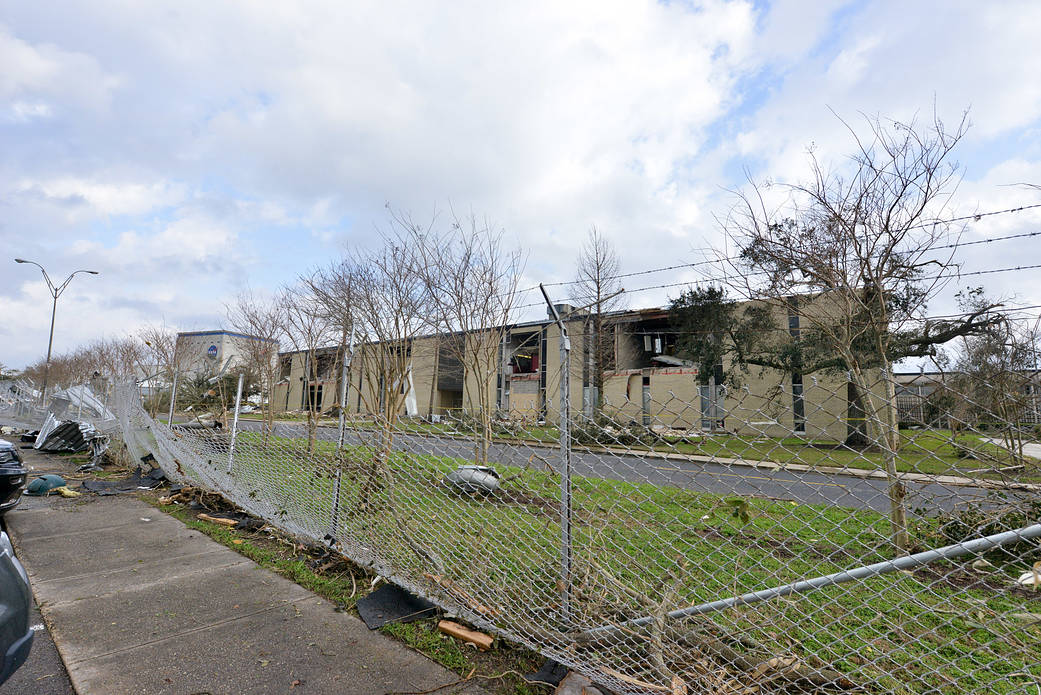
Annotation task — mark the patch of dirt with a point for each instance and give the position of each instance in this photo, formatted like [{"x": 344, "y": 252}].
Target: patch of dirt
[{"x": 543, "y": 504}]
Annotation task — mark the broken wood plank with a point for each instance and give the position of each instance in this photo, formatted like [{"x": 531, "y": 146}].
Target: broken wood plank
[
  {"x": 478, "y": 639},
  {"x": 218, "y": 520}
]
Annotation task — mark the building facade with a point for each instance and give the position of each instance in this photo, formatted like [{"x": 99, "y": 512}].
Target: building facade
[{"x": 647, "y": 383}]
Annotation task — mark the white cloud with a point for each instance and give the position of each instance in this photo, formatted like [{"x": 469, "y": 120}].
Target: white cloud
[
  {"x": 101, "y": 198},
  {"x": 190, "y": 148}
]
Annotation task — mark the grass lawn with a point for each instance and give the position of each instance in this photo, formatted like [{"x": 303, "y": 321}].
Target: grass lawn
[{"x": 638, "y": 548}]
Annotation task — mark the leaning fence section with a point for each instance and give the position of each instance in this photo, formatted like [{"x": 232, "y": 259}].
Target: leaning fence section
[{"x": 724, "y": 539}]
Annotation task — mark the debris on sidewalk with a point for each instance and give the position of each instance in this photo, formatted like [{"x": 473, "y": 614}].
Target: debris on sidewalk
[
  {"x": 392, "y": 604},
  {"x": 42, "y": 485},
  {"x": 138, "y": 480},
  {"x": 478, "y": 639}
]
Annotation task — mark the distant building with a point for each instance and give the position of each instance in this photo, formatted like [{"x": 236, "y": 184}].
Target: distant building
[
  {"x": 648, "y": 382},
  {"x": 205, "y": 353}
]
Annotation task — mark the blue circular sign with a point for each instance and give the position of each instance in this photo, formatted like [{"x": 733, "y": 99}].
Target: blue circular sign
[{"x": 211, "y": 352}]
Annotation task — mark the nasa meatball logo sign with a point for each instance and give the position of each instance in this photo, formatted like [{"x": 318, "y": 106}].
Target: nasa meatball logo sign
[{"x": 211, "y": 352}]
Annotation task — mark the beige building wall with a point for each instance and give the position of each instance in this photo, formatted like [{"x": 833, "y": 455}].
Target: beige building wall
[
  {"x": 204, "y": 353},
  {"x": 754, "y": 402}
]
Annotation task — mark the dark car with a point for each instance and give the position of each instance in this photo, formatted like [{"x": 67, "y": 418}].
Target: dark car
[
  {"x": 16, "y": 636},
  {"x": 12, "y": 476}
]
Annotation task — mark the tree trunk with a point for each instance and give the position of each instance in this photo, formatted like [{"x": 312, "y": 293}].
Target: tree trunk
[
  {"x": 883, "y": 420},
  {"x": 890, "y": 439}
]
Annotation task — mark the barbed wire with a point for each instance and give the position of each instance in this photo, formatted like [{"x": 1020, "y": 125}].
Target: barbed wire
[
  {"x": 687, "y": 283},
  {"x": 695, "y": 264}
]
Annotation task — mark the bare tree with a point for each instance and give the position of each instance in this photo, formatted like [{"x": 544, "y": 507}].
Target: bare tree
[
  {"x": 162, "y": 357},
  {"x": 307, "y": 330},
  {"x": 264, "y": 321},
  {"x": 856, "y": 255},
  {"x": 332, "y": 287},
  {"x": 471, "y": 278},
  {"x": 389, "y": 304},
  {"x": 996, "y": 371},
  {"x": 597, "y": 286}
]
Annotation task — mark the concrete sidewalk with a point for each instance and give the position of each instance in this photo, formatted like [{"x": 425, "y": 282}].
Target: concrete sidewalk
[{"x": 139, "y": 603}]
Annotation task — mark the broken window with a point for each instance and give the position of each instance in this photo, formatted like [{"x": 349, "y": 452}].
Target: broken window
[
  {"x": 524, "y": 353},
  {"x": 324, "y": 365}
]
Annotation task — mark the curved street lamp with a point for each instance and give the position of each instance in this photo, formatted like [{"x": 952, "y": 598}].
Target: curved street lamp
[{"x": 55, "y": 292}]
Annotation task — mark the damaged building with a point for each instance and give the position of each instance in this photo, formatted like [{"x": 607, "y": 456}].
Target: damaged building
[{"x": 645, "y": 380}]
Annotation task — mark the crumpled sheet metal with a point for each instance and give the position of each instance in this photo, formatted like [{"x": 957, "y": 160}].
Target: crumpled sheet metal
[{"x": 65, "y": 435}]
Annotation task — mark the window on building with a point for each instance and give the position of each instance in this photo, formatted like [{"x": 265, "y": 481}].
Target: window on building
[{"x": 798, "y": 404}]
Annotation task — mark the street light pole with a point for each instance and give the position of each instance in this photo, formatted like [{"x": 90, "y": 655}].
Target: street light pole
[{"x": 55, "y": 293}]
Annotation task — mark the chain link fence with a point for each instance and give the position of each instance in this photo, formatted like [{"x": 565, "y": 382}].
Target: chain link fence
[{"x": 733, "y": 541}]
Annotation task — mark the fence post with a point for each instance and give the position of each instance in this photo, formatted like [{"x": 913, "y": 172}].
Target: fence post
[
  {"x": 645, "y": 387},
  {"x": 235, "y": 423},
  {"x": 565, "y": 465},
  {"x": 344, "y": 380},
  {"x": 712, "y": 416},
  {"x": 173, "y": 397}
]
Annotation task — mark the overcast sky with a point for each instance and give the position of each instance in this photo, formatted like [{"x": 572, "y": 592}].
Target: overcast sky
[{"x": 185, "y": 149}]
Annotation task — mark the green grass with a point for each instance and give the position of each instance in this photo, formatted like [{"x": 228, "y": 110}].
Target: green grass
[
  {"x": 901, "y": 632},
  {"x": 921, "y": 451}
]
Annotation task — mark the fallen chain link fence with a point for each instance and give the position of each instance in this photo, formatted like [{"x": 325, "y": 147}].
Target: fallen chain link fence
[{"x": 727, "y": 542}]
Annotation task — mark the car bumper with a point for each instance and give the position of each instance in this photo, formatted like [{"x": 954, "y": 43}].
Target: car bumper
[
  {"x": 16, "y": 655},
  {"x": 10, "y": 490}
]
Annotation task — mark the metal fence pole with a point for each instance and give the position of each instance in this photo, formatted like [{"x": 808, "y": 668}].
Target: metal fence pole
[
  {"x": 344, "y": 381},
  {"x": 173, "y": 396},
  {"x": 565, "y": 465},
  {"x": 235, "y": 423},
  {"x": 645, "y": 388}
]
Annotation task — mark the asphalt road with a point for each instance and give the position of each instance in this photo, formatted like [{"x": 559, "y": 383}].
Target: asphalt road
[{"x": 712, "y": 477}]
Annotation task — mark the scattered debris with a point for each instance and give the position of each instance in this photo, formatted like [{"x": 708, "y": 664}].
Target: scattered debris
[
  {"x": 474, "y": 479},
  {"x": 66, "y": 435},
  {"x": 1031, "y": 577},
  {"x": 577, "y": 684},
  {"x": 478, "y": 639},
  {"x": 392, "y": 604},
  {"x": 218, "y": 520},
  {"x": 550, "y": 673},
  {"x": 42, "y": 485},
  {"x": 139, "y": 480}
]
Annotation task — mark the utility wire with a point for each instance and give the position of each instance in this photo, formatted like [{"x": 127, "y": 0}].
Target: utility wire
[
  {"x": 709, "y": 280},
  {"x": 683, "y": 266}
]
